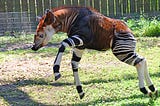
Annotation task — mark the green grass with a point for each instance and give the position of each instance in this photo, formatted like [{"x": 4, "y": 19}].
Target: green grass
[{"x": 26, "y": 78}]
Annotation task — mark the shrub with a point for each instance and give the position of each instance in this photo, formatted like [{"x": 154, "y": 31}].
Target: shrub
[
  {"x": 145, "y": 27},
  {"x": 153, "y": 30}
]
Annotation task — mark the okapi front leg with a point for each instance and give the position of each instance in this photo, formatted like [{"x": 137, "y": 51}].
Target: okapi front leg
[
  {"x": 58, "y": 60},
  {"x": 72, "y": 42},
  {"x": 77, "y": 54}
]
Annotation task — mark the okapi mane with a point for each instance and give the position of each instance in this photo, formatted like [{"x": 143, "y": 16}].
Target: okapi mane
[{"x": 74, "y": 7}]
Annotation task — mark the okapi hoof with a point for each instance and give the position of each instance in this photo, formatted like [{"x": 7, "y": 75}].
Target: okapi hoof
[
  {"x": 81, "y": 95},
  {"x": 57, "y": 77},
  {"x": 150, "y": 94},
  {"x": 153, "y": 95}
]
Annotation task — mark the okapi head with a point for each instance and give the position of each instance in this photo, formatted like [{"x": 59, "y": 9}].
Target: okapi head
[{"x": 46, "y": 28}]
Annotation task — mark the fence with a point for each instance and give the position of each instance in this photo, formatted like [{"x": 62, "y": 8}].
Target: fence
[
  {"x": 27, "y": 10},
  {"x": 11, "y": 22}
]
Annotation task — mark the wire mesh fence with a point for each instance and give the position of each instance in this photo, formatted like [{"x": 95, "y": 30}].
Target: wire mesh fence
[{"x": 18, "y": 17}]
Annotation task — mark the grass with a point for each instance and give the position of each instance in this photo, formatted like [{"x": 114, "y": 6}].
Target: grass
[{"x": 26, "y": 77}]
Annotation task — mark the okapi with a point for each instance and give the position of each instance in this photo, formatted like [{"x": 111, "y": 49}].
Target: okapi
[{"x": 86, "y": 28}]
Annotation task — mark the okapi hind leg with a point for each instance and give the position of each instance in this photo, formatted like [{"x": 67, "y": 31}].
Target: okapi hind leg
[
  {"x": 142, "y": 69},
  {"x": 123, "y": 48},
  {"x": 76, "y": 57}
]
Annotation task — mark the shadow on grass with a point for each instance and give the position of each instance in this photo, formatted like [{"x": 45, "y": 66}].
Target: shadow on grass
[
  {"x": 15, "y": 97},
  {"x": 118, "y": 79},
  {"x": 113, "y": 101}
]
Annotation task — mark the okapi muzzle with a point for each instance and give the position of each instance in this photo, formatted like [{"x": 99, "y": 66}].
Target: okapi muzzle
[
  {"x": 36, "y": 48},
  {"x": 38, "y": 42}
]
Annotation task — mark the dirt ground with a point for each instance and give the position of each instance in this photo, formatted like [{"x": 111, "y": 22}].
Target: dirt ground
[
  {"x": 15, "y": 46},
  {"x": 16, "y": 67}
]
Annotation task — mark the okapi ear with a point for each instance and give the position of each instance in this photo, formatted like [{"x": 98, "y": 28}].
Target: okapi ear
[
  {"x": 49, "y": 17},
  {"x": 47, "y": 10}
]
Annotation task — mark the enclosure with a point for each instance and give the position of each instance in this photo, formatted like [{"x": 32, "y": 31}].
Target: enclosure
[
  {"x": 26, "y": 77},
  {"x": 20, "y": 15}
]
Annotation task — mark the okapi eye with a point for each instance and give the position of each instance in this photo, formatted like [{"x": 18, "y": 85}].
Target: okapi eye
[{"x": 41, "y": 35}]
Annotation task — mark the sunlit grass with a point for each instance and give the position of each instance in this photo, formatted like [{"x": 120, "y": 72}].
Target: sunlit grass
[
  {"x": 26, "y": 76},
  {"x": 106, "y": 81}
]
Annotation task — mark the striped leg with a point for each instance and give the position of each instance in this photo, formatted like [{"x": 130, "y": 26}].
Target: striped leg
[
  {"x": 140, "y": 70},
  {"x": 124, "y": 49},
  {"x": 77, "y": 54},
  {"x": 72, "y": 42},
  {"x": 143, "y": 74}
]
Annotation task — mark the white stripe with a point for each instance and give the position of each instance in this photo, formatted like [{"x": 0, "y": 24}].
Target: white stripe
[
  {"x": 76, "y": 78},
  {"x": 56, "y": 74},
  {"x": 59, "y": 57},
  {"x": 128, "y": 59},
  {"x": 140, "y": 70},
  {"x": 75, "y": 64},
  {"x": 65, "y": 44},
  {"x": 78, "y": 52},
  {"x": 72, "y": 42},
  {"x": 81, "y": 42},
  {"x": 121, "y": 51},
  {"x": 134, "y": 61},
  {"x": 118, "y": 47},
  {"x": 81, "y": 93},
  {"x": 146, "y": 74}
]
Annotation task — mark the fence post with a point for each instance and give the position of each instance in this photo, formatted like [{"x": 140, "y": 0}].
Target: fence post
[
  {"x": 10, "y": 5},
  {"x": 97, "y": 5},
  {"x": 54, "y": 3},
  {"x": 146, "y": 6},
  {"x": 47, "y": 4},
  {"x": 153, "y": 5},
  {"x": 132, "y": 6},
  {"x": 81, "y": 3},
  {"x": 118, "y": 4},
  {"x": 32, "y": 15},
  {"x": 17, "y": 7},
  {"x": 111, "y": 7},
  {"x": 39, "y": 7},
  {"x": 61, "y": 3},
  {"x": 68, "y": 2},
  {"x": 75, "y": 2},
  {"x": 104, "y": 7},
  {"x": 2, "y": 6}
]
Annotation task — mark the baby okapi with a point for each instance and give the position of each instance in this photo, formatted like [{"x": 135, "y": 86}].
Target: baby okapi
[{"x": 88, "y": 29}]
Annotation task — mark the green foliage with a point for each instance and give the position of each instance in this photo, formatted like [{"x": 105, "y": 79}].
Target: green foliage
[
  {"x": 21, "y": 39},
  {"x": 144, "y": 27},
  {"x": 153, "y": 30}
]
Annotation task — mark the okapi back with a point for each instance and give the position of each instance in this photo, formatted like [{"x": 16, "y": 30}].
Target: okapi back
[{"x": 103, "y": 30}]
